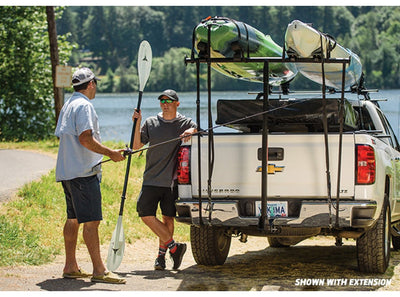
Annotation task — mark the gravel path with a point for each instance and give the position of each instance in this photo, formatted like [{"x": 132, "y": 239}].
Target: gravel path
[
  {"x": 250, "y": 267},
  {"x": 19, "y": 167}
]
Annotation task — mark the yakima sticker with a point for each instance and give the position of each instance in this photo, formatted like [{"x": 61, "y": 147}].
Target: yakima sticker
[{"x": 272, "y": 168}]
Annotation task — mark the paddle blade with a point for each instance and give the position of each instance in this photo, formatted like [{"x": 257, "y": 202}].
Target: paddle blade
[
  {"x": 117, "y": 247},
  {"x": 144, "y": 63}
]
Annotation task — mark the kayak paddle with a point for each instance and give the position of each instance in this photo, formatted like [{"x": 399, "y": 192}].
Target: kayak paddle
[{"x": 117, "y": 244}]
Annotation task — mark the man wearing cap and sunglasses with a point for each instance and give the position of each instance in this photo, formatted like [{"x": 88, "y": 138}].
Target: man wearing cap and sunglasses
[
  {"x": 80, "y": 149},
  {"x": 159, "y": 178}
]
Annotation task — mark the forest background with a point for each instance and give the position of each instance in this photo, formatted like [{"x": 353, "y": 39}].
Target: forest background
[{"x": 106, "y": 39}]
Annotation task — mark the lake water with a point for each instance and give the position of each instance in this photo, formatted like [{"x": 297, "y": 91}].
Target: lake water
[{"x": 115, "y": 110}]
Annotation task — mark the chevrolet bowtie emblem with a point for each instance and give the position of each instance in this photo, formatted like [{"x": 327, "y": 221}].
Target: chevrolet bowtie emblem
[{"x": 272, "y": 168}]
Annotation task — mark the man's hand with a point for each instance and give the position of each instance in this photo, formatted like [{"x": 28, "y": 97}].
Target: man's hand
[
  {"x": 117, "y": 155},
  {"x": 187, "y": 135},
  {"x": 137, "y": 115}
]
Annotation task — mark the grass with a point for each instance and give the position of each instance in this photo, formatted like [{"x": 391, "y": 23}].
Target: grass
[{"x": 31, "y": 223}]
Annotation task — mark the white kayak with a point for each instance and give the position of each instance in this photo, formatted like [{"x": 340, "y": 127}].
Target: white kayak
[{"x": 301, "y": 40}]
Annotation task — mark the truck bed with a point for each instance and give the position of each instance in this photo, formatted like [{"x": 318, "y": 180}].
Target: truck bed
[{"x": 296, "y": 166}]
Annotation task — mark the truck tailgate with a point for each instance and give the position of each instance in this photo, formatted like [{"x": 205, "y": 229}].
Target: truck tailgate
[{"x": 300, "y": 172}]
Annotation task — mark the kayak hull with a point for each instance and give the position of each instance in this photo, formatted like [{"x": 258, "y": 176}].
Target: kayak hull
[
  {"x": 301, "y": 40},
  {"x": 230, "y": 39}
]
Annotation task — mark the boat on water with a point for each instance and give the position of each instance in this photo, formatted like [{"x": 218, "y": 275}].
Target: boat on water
[
  {"x": 304, "y": 41},
  {"x": 234, "y": 39}
]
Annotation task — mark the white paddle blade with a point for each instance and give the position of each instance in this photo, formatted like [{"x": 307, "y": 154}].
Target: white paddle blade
[
  {"x": 144, "y": 63},
  {"x": 117, "y": 247}
]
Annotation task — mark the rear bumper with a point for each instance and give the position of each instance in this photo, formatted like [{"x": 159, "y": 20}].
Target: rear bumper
[{"x": 352, "y": 214}]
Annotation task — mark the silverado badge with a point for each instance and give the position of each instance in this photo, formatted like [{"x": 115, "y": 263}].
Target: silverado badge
[{"x": 272, "y": 168}]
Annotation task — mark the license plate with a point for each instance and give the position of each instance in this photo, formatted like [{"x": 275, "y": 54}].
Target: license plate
[{"x": 275, "y": 209}]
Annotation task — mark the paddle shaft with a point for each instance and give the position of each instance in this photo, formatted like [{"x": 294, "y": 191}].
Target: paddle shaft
[
  {"x": 128, "y": 164},
  {"x": 202, "y": 132}
]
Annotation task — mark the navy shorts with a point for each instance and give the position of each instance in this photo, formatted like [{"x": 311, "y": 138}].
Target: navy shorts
[
  {"x": 83, "y": 199},
  {"x": 150, "y": 196}
]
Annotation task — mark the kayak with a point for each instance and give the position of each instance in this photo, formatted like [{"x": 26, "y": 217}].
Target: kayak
[
  {"x": 230, "y": 39},
  {"x": 301, "y": 40}
]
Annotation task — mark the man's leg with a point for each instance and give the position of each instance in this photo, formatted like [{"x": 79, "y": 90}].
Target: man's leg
[
  {"x": 163, "y": 246},
  {"x": 163, "y": 231},
  {"x": 100, "y": 273},
  {"x": 91, "y": 237},
  {"x": 169, "y": 223},
  {"x": 158, "y": 228},
  {"x": 70, "y": 232}
]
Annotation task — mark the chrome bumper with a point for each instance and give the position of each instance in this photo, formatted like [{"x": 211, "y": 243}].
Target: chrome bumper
[{"x": 354, "y": 214}]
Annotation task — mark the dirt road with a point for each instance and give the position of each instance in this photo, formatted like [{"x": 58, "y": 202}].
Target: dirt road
[
  {"x": 250, "y": 267},
  {"x": 19, "y": 167}
]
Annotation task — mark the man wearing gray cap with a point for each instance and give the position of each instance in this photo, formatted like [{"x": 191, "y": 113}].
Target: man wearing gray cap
[
  {"x": 80, "y": 149},
  {"x": 159, "y": 178}
]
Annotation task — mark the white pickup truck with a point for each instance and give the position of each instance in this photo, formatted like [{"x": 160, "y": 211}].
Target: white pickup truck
[{"x": 303, "y": 180}]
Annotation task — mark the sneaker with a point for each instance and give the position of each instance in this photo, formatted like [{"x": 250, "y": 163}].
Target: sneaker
[
  {"x": 160, "y": 263},
  {"x": 178, "y": 255}
]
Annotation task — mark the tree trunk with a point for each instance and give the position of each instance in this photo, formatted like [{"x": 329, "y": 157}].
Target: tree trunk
[{"x": 51, "y": 23}]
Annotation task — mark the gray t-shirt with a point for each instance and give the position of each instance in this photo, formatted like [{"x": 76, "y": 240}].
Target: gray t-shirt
[
  {"x": 74, "y": 160},
  {"x": 161, "y": 161}
]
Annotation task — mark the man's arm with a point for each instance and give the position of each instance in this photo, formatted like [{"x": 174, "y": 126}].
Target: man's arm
[
  {"x": 187, "y": 134},
  {"x": 88, "y": 141},
  {"x": 137, "y": 143}
]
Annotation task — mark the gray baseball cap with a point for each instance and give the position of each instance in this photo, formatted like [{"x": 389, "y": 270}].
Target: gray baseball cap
[
  {"x": 171, "y": 94},
  {"x": 83, "y": 75}
]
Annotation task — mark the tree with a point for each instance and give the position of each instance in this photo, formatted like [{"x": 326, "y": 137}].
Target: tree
[
  {"x": 51, "y": 22},
  {"x": 170, "y": 72},
  {"x": 26, "y": 98},
  {"x": 109, "y": 37}
]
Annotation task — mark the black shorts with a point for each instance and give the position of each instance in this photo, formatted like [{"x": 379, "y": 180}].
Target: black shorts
[
  {"x": 150, "y": 196},
  {"x": 83, "y": 199}
]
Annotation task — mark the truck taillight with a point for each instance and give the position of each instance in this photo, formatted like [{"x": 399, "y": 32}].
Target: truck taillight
[
  {"x": 365, "y": 164},
  {"x": 184, "y": 165}
]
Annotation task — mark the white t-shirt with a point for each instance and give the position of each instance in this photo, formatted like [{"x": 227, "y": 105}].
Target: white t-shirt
[{"x": 74, "y": 160}]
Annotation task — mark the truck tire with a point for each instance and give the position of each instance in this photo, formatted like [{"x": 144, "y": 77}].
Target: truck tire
[
  {"x": 210, "y": 245},
  {"x": 396, "y": 242},
  {"x": 373, "y": 247}
]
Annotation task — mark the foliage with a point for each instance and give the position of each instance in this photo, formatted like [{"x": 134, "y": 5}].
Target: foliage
[
  {"x": 19, "y": 246},
  {"x": 111, "y": 36},
  {"x": 26, "y": 93},
  {"x": 170, "y": 71},
  {"x": 107, "y": 39}
]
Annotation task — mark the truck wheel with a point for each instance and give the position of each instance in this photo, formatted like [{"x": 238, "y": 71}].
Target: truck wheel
[
  {"x": 373, "y": 247},
  {"x": 396, "y": 239},
  {"x": 210, "y": 245},
  {"x": 396, "y": 242}
]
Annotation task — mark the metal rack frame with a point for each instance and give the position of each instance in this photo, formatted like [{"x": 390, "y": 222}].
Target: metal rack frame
[{"x": 207, "y": 59}]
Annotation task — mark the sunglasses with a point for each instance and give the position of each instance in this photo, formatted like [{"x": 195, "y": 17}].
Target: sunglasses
[{"x": 166, "y": 100}]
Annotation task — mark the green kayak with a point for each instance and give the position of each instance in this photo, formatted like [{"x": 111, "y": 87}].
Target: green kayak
[{"x": 230, "y": 39}]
